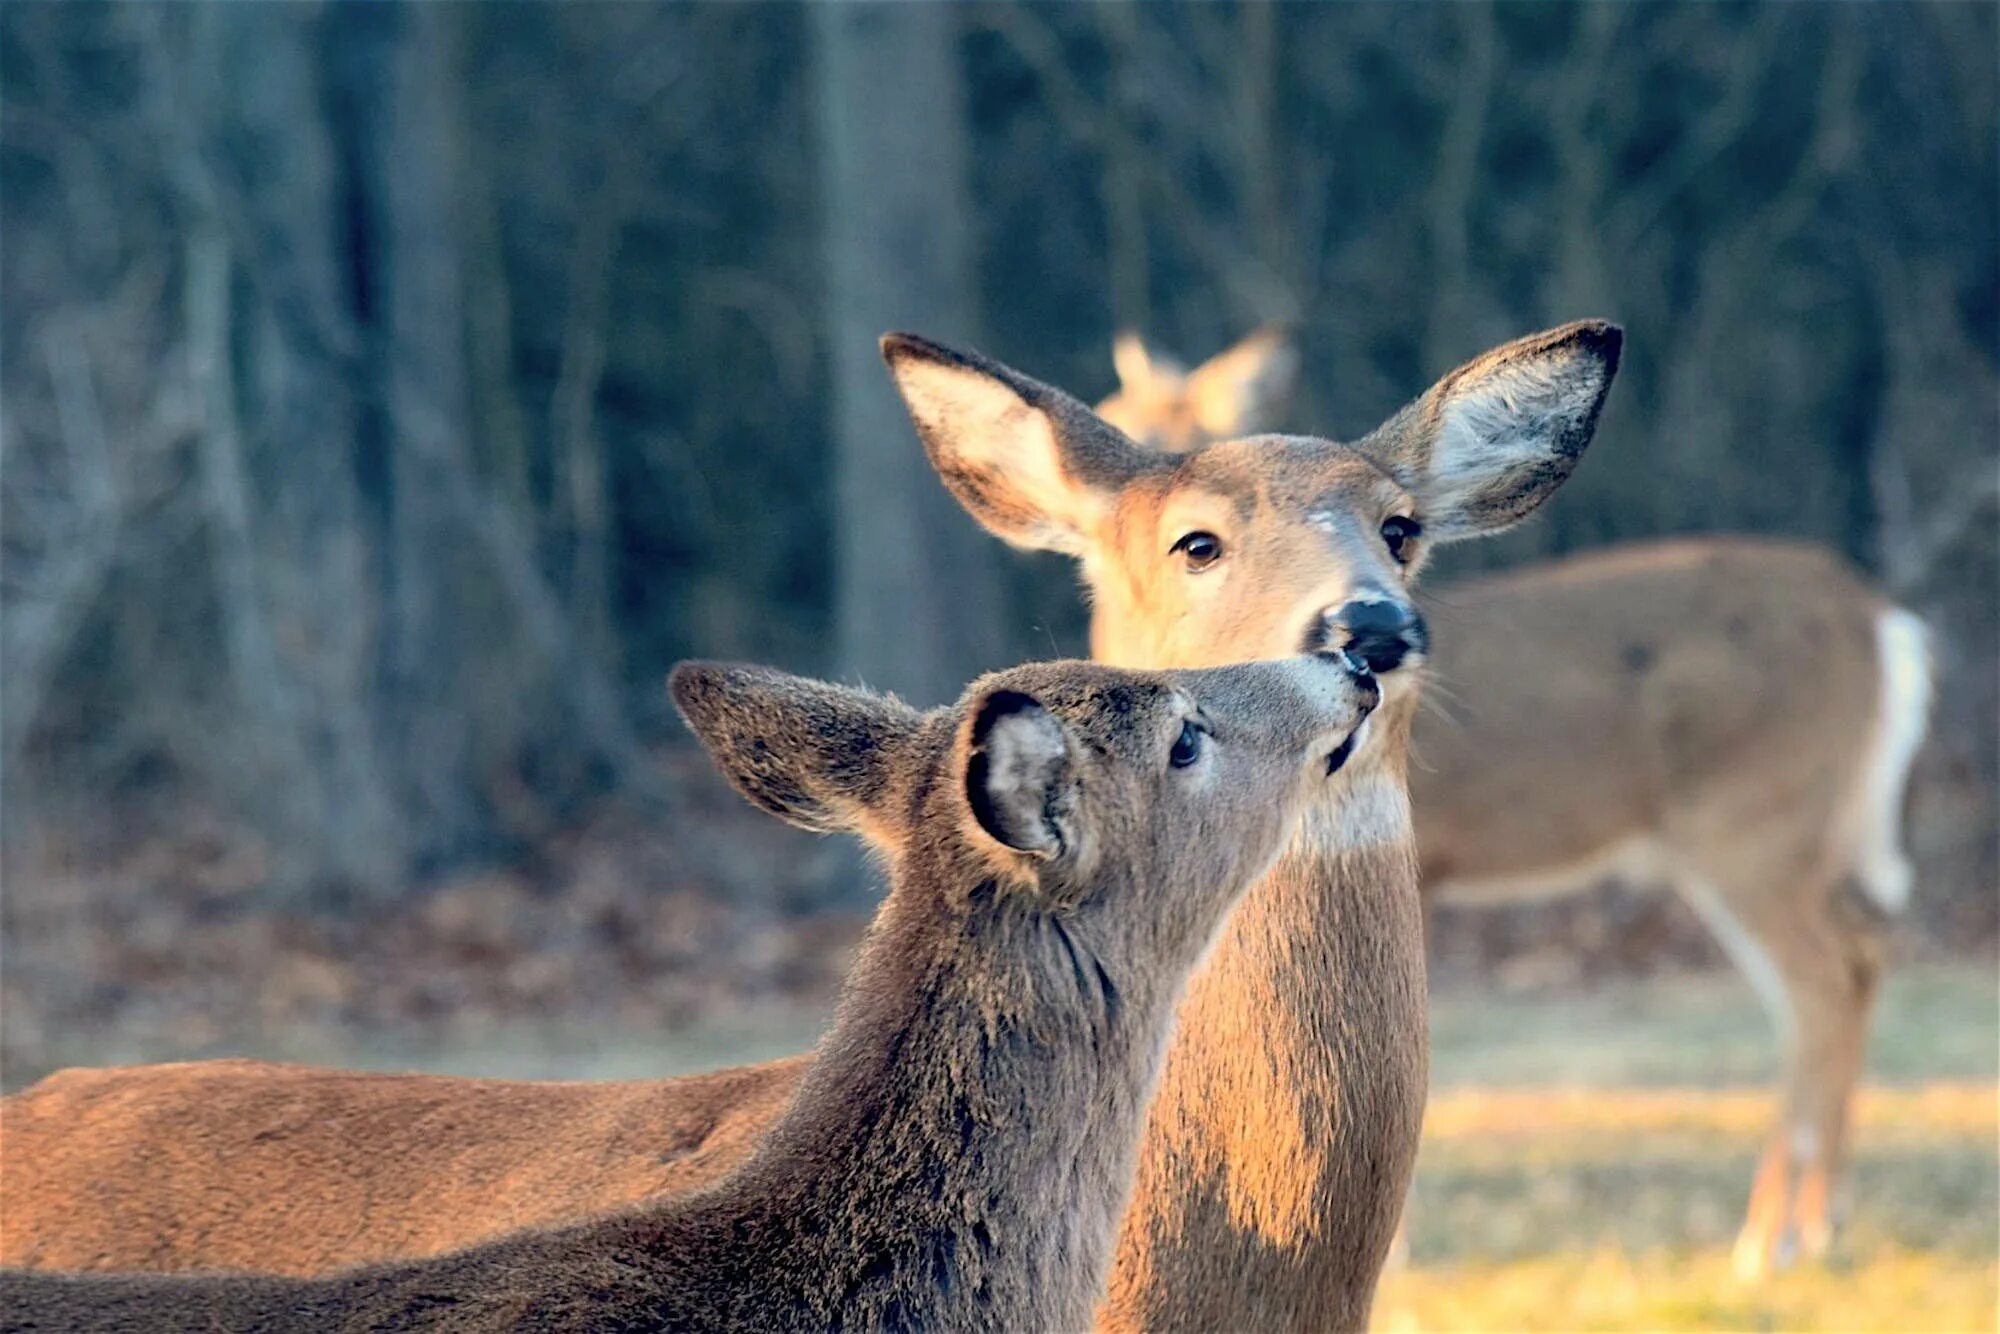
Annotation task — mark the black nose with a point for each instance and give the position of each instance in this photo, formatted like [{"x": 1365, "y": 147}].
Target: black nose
[{"x": 1381, "y": 632}]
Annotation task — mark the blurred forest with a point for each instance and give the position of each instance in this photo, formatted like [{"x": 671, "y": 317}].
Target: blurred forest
[{"x": 392, "y": 393}]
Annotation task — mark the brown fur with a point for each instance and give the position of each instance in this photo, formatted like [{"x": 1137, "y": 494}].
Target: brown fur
[
  {"x": 298, "y": 1170},
  {"x": 1309, "y": 1019},
  {"x": 1698, "y": 713},
  {"x": 1702, "y": 712},
  {"x": 958, "y": 1155}
]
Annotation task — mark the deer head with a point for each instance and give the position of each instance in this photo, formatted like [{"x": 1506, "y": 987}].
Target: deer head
[
  {"x": 1135, "y": 800},
  {"x": 1267, "y": 545}
]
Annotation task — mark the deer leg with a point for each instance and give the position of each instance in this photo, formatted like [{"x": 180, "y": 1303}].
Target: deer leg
[
  {"x": 1836, "y": 985},
  {"x": 1816, "y": 965},
  {"x": 1760, "y": 1243},
  {"x": 1765, "y": 1240}
]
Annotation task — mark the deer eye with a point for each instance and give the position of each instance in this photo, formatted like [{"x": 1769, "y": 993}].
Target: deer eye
[
  {"x": 1200, "y": 549},
  {"x": 1398, "y": 532},
  {"x": 1187, "y": 747}
]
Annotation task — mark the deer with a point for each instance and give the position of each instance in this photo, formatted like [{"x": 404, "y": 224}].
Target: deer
[
  {"x": 1242, "y": 390},
  {"x": 1063, "y": 844},
  {"x": 1284, "y": 1132},
  {"x": 1732, "y": 717}
]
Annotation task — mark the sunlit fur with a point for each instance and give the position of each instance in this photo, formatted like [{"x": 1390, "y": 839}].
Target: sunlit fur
[{"x": 959, "y": 1154}]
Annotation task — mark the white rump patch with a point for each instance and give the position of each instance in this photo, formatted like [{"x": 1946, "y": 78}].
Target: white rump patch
[{"x": 1903, "y": 644}]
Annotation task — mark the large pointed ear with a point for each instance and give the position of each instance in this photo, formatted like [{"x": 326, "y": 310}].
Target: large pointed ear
[
  {"x": 1246, "y": 389},
  {"x": 1138, "y": 366},
  {"x": 1019, "y": 778},
  {"x": 1494, "y": 439},
  {"x": 1033, "y": 465},
  {"x": 823, "y": 757}
]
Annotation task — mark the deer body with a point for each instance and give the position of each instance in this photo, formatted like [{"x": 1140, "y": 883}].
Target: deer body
[
  {"x": 957, "y": 1157},
  {"x": 1718, "y": 700},
  {"x": 1281, "y": 1144},
  {"x": 290, "y": 1169},
  {"x": 1736, "y": 722}
]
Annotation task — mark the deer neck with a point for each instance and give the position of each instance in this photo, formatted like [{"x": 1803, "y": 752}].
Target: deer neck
[
  {"x": 967, "y": 1134},
  {"x": 1282, "y": 1139}
]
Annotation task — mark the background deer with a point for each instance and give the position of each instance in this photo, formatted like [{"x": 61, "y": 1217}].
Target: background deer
[
  {"x": 1282, "y": 1141},
  {"x": 1239, "y": 391},
  {"x": 1733, "y": 717},
  {"x": 1063, "y": 846}
]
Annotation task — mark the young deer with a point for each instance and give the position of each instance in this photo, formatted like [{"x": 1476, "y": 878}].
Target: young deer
[
  {"x": 1733, "y": 717},
  {"x": 1063, "y": 845},
  {"x": 1279, "y": 1150}
]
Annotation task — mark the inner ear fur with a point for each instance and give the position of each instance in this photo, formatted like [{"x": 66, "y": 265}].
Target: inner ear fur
[
  {"x": 1488, "y": 443},
  {"x": 1017, "y": 774},
  {"x": 1031, "y": 463}
]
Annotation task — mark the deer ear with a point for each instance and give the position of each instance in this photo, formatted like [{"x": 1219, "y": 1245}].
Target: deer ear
[
  {"x": 1136, "y": 364},
  {"x": 1495, "y": 438},
  {"x": 823, "y": 757},
  {"x": 1031, "y": 463},
  {"x": 1247, "y": 388},
  {"x": 1018, "y": 779}
]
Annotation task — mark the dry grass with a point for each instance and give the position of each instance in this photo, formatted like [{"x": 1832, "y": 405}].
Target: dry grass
[
  {"x": 1893, "y": 1289},
  {"x": 1610, "y": 1203}
]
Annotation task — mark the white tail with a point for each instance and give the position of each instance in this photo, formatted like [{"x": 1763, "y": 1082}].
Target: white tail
[{"x": 1903, "y": 649}]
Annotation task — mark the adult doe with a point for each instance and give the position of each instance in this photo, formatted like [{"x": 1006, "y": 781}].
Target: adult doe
[
  {"x": 1063, "y": 846},
  {"x": 1733, "y": 717},
  {"x": 1281, "y": 1144}
]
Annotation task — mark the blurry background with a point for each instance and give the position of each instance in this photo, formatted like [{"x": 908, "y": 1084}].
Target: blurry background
[{"x": 392, "y": 394}]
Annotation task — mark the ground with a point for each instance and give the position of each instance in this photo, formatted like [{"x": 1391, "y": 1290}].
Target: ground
[{"x": 1586, "y": 1159}]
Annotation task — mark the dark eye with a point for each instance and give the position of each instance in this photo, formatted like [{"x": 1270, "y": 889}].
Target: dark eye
[
  {"x": 1399, "y": 532},
  {"x": 1187, "y": 747},
  {"x": 1201, "y": 549}
]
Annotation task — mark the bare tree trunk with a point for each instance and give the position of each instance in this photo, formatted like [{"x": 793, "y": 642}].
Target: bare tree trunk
[
  {"x": 278, "y": 500},
  {"x": 301, "y": 374},
  {"x": 579, "y": 444},
  {"x": 408, "y": 169},
  {"x": 480, "y": 660},
  {"x": 917, "y": 591}
]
